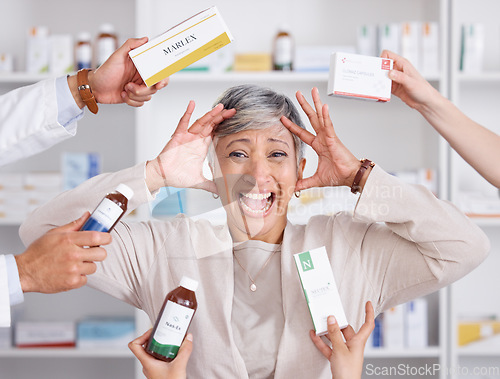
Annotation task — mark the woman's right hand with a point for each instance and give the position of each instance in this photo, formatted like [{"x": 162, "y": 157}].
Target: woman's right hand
[
  {"x": 180, "y": 163},
  {"x": 408, "y": 84}
]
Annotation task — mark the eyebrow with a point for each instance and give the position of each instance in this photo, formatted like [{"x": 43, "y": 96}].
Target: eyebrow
[{"x": 246, "y": 140}]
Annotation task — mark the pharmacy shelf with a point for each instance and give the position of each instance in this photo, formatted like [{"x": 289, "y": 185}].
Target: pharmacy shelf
[
  {"x": 482, "y": 77},
  {"x": 191, "y": 77},
  {"x": 65, "y": 353},
  {"x": 11, "y": 221},
  {"x": 489, "y": 347},
  {"x": 428, "y": 352},
  {"x": 486, "y": 221},
  {"x": 23, "y": 77}
]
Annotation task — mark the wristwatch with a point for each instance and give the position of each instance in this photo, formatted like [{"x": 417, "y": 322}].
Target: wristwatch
[
  {"x": 365, "y": 163},
  {"x": 82, "y": 80}
]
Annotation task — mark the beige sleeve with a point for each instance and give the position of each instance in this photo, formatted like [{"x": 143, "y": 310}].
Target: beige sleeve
[{"x": 415, "y": 243}]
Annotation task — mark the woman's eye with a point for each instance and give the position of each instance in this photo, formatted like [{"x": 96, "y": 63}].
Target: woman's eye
[
  {"x": 237, "y": 154},
  {"x": 278, "y": 154}
]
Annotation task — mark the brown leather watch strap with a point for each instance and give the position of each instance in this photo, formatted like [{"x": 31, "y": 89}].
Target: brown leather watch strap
[
  {"x": 82, "y": 80},
  {"x": 365, "y": 163}
]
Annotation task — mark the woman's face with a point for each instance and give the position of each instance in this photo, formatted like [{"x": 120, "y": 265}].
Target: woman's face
[{"x": 256, "y": 172}]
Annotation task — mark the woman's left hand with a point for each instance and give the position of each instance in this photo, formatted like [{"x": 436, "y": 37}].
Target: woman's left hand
[{"x": 337, "y": 166}]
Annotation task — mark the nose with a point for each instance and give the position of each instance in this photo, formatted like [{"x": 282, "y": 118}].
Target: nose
[{"x": 260, "y": 171}]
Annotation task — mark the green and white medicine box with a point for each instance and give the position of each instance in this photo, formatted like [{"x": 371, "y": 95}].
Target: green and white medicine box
[{"x": 320, "y": 289}]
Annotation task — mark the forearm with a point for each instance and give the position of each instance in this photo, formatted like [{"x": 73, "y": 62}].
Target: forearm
[{"x": 476, "y": 144}]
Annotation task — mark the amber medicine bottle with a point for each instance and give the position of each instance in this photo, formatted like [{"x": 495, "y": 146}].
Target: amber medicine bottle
[
  {"x": 173, "y": 321},
  {"x": 110, "y": 210},
  {"x": 283, "y": 50}
]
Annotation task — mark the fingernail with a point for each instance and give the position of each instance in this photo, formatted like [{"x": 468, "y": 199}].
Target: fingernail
[
  {"x": 392, "y": 74},
  {"x": 189, "y": 337},
  {"x": 331, "y": 320}
]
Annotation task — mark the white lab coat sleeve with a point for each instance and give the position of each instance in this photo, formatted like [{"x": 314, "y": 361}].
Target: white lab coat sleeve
[
  {"x": 29, "y": 121},
  {"x": 4, "y": 295}
]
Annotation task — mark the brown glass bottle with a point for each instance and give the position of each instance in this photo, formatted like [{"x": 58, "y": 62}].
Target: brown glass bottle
[
  {"x": 283, "y": 50},
  {"x": 173, "y": 321},
  {"x": 110, "y": 210}
]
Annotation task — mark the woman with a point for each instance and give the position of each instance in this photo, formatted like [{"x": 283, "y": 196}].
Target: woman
[{"x": 252, "y": 318}]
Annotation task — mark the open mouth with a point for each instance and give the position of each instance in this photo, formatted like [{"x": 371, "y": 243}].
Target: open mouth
[{"x": 257, "y": 204}]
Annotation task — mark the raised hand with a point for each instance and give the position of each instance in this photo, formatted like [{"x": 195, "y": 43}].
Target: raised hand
[
  {"x": 408, "y": 84},
  {"x": 337, "y": 166},
  {"x": 180, "y": 164},
  {"x": 346, "y": 358},
  {"x": 118, "y": 81}
]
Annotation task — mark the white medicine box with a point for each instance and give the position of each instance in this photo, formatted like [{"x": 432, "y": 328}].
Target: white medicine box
[{"x": 359, "y": 76}]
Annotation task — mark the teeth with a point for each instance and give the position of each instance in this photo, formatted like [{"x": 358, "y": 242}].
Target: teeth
[
  {"x": 260, "y": 211},
  {"x": 258, "y": 196}
]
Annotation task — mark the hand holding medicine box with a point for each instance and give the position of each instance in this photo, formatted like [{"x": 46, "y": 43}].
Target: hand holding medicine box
[
  {"x": 181, "y": 46},
  {"x": 320, "y": 289},
  {"x": 359, "y": 76}
]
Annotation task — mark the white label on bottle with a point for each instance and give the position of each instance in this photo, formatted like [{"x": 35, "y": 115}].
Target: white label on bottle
[
  {"x": 173, "y": 324},
  {"x": 106, "y": 213},
  {"x": 283, "y": 53},
  {"x": 84, "y": 55},
  {"x": 106, "y": 47}
]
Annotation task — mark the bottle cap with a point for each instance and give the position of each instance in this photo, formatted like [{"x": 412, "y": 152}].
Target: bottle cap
[
  {"x": 188, "y": 283},
  {"x": 84, "y": 37},
  {"x": 107, "y": 28},
  {"x": 125, "y": 190}
]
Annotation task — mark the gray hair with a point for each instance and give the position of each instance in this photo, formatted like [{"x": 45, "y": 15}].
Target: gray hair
[{"x": 257, "y": 108}]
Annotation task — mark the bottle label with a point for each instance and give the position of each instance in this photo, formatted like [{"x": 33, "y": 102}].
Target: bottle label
[
  {"x": 106, "y": 47},
  {"x": 283, "y": 53},
  {"x": 104, "y": 216},
  {"x": 171, "y": 329},
  {"x": 84, "y": 56}
]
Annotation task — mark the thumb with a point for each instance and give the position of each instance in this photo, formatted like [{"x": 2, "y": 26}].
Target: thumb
[
  {"x": 399, "y": 77},
  {"x": 334, "y": 334},
  {"x": 185, "y": 350},
  {"x": 75, "y": 225},
  {"x": 133, "y": 43}
]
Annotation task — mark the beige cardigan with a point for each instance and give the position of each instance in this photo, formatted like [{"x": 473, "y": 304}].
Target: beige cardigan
[{"x": 401, "y": 243}]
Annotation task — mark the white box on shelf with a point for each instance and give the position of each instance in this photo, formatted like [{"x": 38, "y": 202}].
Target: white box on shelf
[
  {"x": 78, "y": 167},
  {"x": 61, "y": 54},
  {"x": 43, "y": 181},
  {"x": 368, "y": 40},
  {"x": 416, "y": 324},
  {"x": 316, "y": 58},
  {"x": 37, "y": 50},
  {"x": 389, "y": 37},
  {"x": 394, "y": 327},
  {"x": 472, "y": 52},
  {"x": 6, "y": 63},
  {"x": 5, "y": 338},
  {"x": 181, "y": 46},
  {"x": 361, "y": 77},
  {"x": 105, "y": 333},
  {"x": 410, "y": 42},
  {"x": 44, "y": 334},
  {"x": 320, "y": 289},
  {"x": 429, "y": 62},
  {"x": 11, "y": 181}
]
